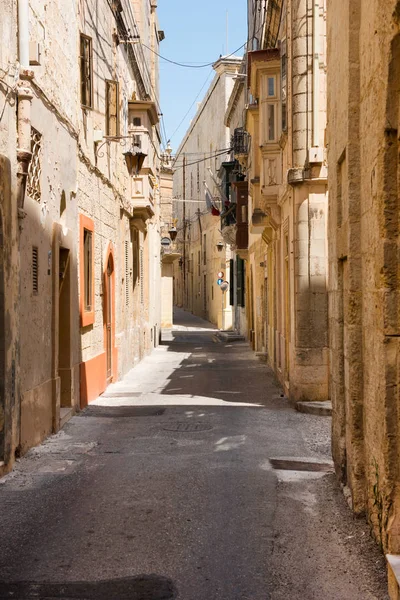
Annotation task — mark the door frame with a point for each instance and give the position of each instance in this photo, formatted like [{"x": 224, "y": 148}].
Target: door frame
[{"x": 109, "y": 255}]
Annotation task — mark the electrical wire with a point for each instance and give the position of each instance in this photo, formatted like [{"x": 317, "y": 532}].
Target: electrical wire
[
  {"x": 188, "y": 66},
  {"x": 203, "y": 159}
]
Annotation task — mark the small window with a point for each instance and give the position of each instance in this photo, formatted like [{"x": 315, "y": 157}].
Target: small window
[
  {"x": 205, "y": 250},
  {"x": 35, "y": 270},
  {"x": 86, "y": 69},
  {"x": 198, "y": 263},
  {"x": 35, "y": 166},
  {"x": 284, "y": 117},
  {"x": 87, "y": 266},
  {"x": 271, "y": 87},
  {"x": 112, "y": 105},
  {"x": 271, "y": 122},
  {"x": 137, "y": 122},
  {"x": 127, "y": 285}
]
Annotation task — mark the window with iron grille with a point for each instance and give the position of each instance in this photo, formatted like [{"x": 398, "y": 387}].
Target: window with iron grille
[
  {"x": 35, "y": 166},
  {"x": 87, "y": 267},
  {"x": 35, "y": 270},
  {"x": 112, "y": 105},
  {"x": 127, "y": 287},
  {"x": 86, "y": 68}
]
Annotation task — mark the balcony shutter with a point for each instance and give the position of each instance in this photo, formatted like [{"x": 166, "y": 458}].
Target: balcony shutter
[
  {"x": 232, "y": 283},
  {"x": 240, "y": 281}
]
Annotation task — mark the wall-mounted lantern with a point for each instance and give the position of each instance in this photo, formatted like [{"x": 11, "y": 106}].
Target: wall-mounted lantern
[
  {"x": 173, "y": 232},
  {"x": 220, "y": 246},
  {"x": 134, "y": 161}
]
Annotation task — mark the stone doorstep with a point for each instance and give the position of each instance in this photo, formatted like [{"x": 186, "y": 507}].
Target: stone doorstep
[
  {"x": 231, "y": 336},
  {"x": 66, "y": 413},
  {"x": 393, "y": 561},
  {"x": 323, "y": 409}
]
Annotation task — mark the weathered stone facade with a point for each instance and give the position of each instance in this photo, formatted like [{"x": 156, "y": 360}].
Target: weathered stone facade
[
  {"x": 287, "y": 174},
  {"x": 363, "y": 109},
  {"x": 80, "y": 228}
]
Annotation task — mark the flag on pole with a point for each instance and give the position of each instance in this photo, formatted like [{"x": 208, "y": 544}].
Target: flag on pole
[{"x": 210, "y": 202}]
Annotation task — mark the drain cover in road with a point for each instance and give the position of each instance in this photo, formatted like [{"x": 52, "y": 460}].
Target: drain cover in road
[
  {"x": 187, "y": 427},
  {"x": 300, "y": 464}
]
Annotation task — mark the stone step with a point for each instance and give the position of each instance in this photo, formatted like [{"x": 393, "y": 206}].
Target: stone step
[
  {"x": 65, "y": 415},
  {"x": 393, "y": 561},
  {"x": 322, "y": 409}
]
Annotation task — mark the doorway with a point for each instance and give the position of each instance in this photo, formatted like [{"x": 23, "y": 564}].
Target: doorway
[
  {"x": 109, "y": 316},
  {"x": 64, "y": 329}
]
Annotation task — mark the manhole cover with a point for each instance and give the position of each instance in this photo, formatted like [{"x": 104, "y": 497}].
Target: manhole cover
[
  {"x": 187, "y": 427},
  {"x": 300, "y": 465}
]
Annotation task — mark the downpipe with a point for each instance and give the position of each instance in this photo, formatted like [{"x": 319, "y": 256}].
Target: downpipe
[{"x": 24, "y": 103}]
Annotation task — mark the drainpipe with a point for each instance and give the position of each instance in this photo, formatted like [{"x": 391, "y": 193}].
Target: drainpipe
[
  {"x": 315, "y": 73},
  {"x": 24, "y": 92}
]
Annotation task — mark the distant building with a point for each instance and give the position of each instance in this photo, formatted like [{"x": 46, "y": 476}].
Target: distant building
[{"x": 197, "y": 170}]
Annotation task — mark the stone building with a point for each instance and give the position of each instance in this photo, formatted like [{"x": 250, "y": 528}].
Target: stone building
[
  {"x": 198, "y": 161},
  {"x": 286, "y": 173},
  {"x": 364, "y": 236},
  {"x": 80, "y": 206}
]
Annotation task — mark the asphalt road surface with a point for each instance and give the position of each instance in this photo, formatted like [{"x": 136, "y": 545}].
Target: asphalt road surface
[{"x": 192, "y": 479}]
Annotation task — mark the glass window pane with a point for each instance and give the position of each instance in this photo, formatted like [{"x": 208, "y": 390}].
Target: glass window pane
[
  {"x": 271, "y": 122},
  {"x": 271, "y": 86}
]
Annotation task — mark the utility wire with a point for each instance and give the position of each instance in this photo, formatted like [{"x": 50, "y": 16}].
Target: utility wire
[
  {"x": 188, "y": 66},
  {"x": 203, "y": 159}
]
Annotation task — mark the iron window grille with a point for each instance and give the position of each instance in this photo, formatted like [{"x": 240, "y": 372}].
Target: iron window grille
[
  {"x": 86, "y": 68},
  {"x": 240, "y": 141},
  {"x": 35, "y": 168}
]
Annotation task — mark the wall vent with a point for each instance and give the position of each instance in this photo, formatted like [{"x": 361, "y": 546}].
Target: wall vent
[{"x": 35, "y": 270}]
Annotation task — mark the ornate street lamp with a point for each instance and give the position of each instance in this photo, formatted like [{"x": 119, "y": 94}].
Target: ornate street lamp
[
  {"x": 134, "y": 161},
  {"x": 173, "y": 232},
  {"x": 220, "y": 246}
]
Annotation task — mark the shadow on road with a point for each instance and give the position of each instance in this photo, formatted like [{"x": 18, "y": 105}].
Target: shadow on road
[{"x": 141, "y": 587}]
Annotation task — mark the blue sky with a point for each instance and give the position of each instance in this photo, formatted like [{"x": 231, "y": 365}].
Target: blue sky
[{"x": 195, "y": 33}]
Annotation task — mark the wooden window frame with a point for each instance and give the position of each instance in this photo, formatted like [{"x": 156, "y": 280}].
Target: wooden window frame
[
  {"x": 86, "y": 316},
  {"x": 81, "y": 59},
  {"x": 110, "y": 82}
]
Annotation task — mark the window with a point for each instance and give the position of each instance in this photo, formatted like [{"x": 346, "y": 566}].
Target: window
[
  {"x": 127, "y": 286},
  {"x": 137, "y": 122},
  {"x": 35, "y": 167},
  {"x": 86, "y": 271},
  {"x": 271, "y": 122},
  {"x": 35, "y": 270},
  {"x": 198, "y": 263},
  {"x": 198, "y": 179},
  {"x": 271, "y": 87},
  {"x": 112, "y": 108},
  {"x": 86, "y": 68},
  {"x": 205, "y": 250},
  {"x": 87, "y": 258},
  {"x": 284, "y": 117}
]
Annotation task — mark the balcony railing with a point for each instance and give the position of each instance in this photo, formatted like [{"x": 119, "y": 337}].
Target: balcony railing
[{"x": 240, "y": 141}]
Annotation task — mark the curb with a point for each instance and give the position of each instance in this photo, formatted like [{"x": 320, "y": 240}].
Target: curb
[{"x": 322, "y": 409}]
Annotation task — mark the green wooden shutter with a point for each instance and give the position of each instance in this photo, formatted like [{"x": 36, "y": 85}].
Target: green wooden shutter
[{"x": 232, "y": 282}]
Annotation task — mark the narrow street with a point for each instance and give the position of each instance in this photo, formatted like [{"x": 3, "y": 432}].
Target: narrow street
[{"x": 163, "y": 488}]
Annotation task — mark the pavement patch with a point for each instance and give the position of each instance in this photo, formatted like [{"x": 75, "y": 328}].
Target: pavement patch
[{"x": 187, "y": 427}]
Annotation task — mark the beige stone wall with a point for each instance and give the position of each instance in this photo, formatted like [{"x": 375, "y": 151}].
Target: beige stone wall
[
  {"x": 51, "y": 361},
  {"x": 363, "y": 105},
  {"x": 288, "y": 311}
]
